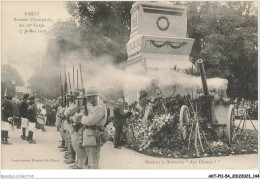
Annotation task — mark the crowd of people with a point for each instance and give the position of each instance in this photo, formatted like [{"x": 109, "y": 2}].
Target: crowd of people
[
  {"x": 27, "y": 114},
  {"x": 80, "y": 118}
]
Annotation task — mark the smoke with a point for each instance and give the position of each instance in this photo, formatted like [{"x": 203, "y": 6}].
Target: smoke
[
  {"x": 104, "y": 75},
  {"x": 101, "y": 72},
  {"x": 170, "y": 77}
]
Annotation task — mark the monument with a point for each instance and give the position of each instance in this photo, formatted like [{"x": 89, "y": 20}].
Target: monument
[{"x": 158, "y": 40}]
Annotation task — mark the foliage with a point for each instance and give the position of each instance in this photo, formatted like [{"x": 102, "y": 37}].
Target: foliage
[
  {"x": 111, "y": 131},
  {"x": 225, "y": 36},
  {"x": 9, "y": 76},
  {"x": 226, "y": 39},
  {"x": 105, "y": 26},
  {"x": 160, "y": 134},
  {"x": 160, "y": 129},
  {"x": 246, "y": 107}
]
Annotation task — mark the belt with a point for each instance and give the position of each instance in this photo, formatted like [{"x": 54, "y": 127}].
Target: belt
[{"x": 94, "y": 127}]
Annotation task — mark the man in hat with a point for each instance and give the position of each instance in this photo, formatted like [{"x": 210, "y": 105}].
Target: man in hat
[
  {"x": 120, "y": 116},
  {"x": 23, "y": 114},
  {"x": 31, "y": 116},
  {"x": 94, "y": 124},
  {"x": 7, "y": 117}
]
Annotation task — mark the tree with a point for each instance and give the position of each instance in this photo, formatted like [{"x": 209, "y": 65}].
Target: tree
[
  {"x": 226, "y": 39},
  {"x": 105, "y": 26},
  {"x": 10, "y": 78}
]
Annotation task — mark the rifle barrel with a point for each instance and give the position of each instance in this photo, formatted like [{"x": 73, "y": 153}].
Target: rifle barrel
[
  {"x": 77, "y": 79},
  {"x": 69, "y": 81},
  {"x": 61, "y": 91},
  {"x": 81, "y": 76},
  {"x": 73, "y": 78}
]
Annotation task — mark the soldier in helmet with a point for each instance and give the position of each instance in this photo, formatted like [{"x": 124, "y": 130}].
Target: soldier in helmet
[
  {"x": 7, "y": 117},
  {"x": 77, "y": 136},
  {"x": 69, "y": 112},
  {"x": 94, "y": 124}
]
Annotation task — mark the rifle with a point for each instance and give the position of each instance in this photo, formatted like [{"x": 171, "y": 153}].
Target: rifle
[
  {"x": 81, "y": 79},
  {"x": 61, "y": 91},
  {"x": 71, "y": 95},
  {"x": 65, "y": 85},
  {"x": 77, "y": 80},
  {"x": 69, "y": 82},
  {"x": 83, "y": 90},
  {"x": 73, "y": 78}
]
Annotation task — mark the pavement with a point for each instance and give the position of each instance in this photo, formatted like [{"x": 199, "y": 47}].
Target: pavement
[{"x": 46, "y": 155}]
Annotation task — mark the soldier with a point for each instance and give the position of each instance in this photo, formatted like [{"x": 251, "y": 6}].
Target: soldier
[
  {"x": 77, "y": 136},
  {"x": 7, "y": 117},
  {"x": 48, "y": 112},
  {"x": 53, "y": 112},
  {"x": 69, "y": 112},
  {"x": 23, "y": 113},
  {"x": 119, "y": 121},
  {"x": 16, "y": 112},
  {"x": 62, "y": 129},
  {"x": 59, "y": 121},
  {"x": 94, "y": 125},
  {"x": 31, "y": 116}
]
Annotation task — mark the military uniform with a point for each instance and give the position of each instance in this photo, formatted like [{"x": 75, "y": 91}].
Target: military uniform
[
  {"x": 16, "y": 113},
  {"x": 31, "y": 116},
  {"x": 23, "y": 113},
  {"x": 58, "y": 123},
  {"x": 69, "y": 112},
  {"x": 94, "y": 123},
  {"x": 77, "y": 141},
  {"x": 7, "y": 114}
]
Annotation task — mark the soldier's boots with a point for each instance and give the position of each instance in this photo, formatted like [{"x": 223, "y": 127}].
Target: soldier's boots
[
  {"x": 75, "y": 167},
  {"x": 24, "y": 137},
  {"x": 6, "y": 142},
  {"x": 64, "y": 149},
  {"x": 69, "y": 161},
  {"x": 32, "y": 142},
  {"x": 4, "y": 138},
  {"x": 30, "y": 138}
]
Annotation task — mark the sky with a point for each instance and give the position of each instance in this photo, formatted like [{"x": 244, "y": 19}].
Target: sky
[{"x": 21, "y": 49}]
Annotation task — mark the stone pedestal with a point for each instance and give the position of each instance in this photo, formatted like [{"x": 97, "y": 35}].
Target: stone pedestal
[{"x": 158, "y": 39}]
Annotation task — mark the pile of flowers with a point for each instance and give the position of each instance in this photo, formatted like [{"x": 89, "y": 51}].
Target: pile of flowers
[
  {"x": 111, "y": 131},
  {"x": 156, "y": 133},
  {"x": 243, "y": 107}
]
